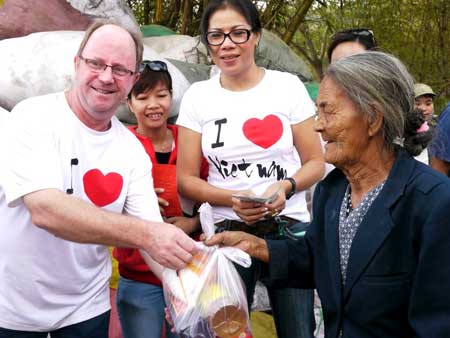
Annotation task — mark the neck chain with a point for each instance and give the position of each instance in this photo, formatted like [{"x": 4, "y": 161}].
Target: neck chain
[{"x": 166, "y": 145}]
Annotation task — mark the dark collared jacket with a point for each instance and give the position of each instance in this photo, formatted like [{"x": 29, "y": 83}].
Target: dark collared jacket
[{"x": 398, "y": 277}]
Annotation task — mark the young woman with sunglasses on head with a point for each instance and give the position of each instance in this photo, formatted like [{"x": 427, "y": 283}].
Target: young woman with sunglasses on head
[
  {"x": 140, "y": 300},
  {"x": 255, "y": 128},
  {"x": 349, "y": 42}
]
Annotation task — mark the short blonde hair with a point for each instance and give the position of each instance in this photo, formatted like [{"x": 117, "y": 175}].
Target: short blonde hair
[{"x": 135, "y": 35}]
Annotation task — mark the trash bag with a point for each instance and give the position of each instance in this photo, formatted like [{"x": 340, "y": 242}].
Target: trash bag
[{"x": 207, "y": 298}]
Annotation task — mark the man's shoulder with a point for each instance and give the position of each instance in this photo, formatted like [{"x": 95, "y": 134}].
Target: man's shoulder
[
  {"x": 444, "y": 117},
  {"x": 126, "y": 139},
  {"x": 36, "y": 106},
  {"x": 122, "y": 130},
  {"x": 40, "y": 99}
]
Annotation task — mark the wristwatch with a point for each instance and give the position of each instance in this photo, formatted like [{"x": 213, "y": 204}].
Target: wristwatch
[{"x": 293, "y": 187}]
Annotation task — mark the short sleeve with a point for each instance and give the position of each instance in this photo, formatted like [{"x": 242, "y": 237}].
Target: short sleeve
[
  {"x": 440, "y": 144},
  {"x": 302, "y": 105},
  {"x": 32, "y": 159},
  {"x": 141, "y": 200},
  {"x": 188, "y": 116}
]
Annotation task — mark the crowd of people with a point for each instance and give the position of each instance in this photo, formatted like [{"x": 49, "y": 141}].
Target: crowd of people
[{"x": 250, "y": 142}]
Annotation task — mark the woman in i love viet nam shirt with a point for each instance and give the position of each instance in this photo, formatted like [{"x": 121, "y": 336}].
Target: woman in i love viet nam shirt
[
  {"x": 140, "y": 300},
  {"x": 255, "y": 128}
]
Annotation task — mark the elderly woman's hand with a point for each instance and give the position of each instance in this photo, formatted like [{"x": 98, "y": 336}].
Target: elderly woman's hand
[{"x": 254, "y": 246}]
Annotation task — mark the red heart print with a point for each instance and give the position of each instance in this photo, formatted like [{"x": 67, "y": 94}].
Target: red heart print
[
  {"x": 102, "y": 189},
  {"x": 264, "y": 133}
]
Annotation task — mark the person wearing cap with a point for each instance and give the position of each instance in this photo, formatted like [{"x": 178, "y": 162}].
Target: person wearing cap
[
  {"x": 423, "y": 99},
  {"x": 423, "y": 103}
]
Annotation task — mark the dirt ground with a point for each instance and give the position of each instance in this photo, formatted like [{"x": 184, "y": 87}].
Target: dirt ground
[{"x": 263, "y": 325}]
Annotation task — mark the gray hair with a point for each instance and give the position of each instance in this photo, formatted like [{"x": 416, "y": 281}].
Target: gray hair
[{"x": 376, "y": 81}]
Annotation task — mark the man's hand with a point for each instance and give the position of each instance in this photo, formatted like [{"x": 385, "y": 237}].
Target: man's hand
[
  {"x": 170, "y": 246},
  {"x": 254, "y": 246}
]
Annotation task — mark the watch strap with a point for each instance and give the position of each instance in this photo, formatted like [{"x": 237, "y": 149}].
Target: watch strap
[{"x": 293, "y": 187}]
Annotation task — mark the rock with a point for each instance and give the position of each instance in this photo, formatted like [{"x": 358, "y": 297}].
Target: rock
[
  {"x": 22, "y": 17},
  {"x": 179, "y": 47},
  {"x": 117, "y": 10},
  {"x": 42, "y": 63},
  {"x": 273, "y": 53}
]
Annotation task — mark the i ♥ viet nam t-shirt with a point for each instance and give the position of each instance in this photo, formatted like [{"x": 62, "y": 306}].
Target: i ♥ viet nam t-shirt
[
  {"x": 247, "y": 136},
  {"x": 46, "y": 282}
]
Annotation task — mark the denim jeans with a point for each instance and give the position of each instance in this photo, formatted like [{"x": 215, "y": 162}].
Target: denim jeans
[
  {"x": 96, "y": 327},
  {"x": 293, "y": 309},
  {"x": 141, "y": 309}
]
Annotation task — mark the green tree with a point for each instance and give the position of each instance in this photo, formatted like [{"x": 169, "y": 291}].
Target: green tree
[{"x": 417, "y": 31}]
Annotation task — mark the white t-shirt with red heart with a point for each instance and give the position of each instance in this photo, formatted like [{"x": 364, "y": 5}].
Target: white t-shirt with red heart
[
  {"x": 247, "y": 136},
  {"x": 46, "y": 282}
]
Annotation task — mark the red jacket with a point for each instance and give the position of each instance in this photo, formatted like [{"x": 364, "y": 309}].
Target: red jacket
[{"x": 131, "y": 264}]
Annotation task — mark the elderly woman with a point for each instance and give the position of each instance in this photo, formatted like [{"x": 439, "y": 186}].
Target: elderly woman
[{"x": 377, "y": 250}]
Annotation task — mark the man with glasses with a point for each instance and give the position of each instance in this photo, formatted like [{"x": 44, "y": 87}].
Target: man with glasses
[{"x": 75, "y": 181}]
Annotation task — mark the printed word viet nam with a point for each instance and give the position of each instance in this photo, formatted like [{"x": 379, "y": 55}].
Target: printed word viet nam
[{"x": 227, "y": 169}]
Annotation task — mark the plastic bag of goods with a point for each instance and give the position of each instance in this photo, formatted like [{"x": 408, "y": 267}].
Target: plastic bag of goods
[{"x": 207, "y": 299}]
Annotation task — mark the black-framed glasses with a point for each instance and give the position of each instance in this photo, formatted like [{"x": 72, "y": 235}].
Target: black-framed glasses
[
  {"x": 237, "y": 36},
  {"x": 99, "y": 66},
  {"x": 156, "y": 66}
]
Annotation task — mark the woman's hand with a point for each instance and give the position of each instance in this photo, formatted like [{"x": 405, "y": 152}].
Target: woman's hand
[
  {"x": 187, "y": 224},
  {"x": 279, "y": 203},
  {"x": 254, "y": 246},
  {"x": 161, "y": 201},
  {"x": 249, "y": 212}
]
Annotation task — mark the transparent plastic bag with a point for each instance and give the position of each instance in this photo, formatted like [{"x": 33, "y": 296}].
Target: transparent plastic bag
[{"x": 207, "y": 299}]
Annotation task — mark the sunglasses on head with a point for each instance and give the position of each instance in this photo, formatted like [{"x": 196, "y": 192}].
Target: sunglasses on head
[
  {"x": 156, "y": 66},
  {"x": 358, "y": 32}
]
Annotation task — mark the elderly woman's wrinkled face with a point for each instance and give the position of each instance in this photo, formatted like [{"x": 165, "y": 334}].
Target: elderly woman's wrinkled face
[{"x": 343, "y": 128}]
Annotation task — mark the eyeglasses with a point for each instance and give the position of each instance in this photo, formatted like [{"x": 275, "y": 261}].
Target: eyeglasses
[
  {"x": 237, "y": 36},
  {"x": 99, "y": 66},
  {"x": 156, "y": 66}
]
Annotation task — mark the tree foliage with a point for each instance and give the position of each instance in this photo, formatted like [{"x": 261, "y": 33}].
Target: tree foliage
[{"x": 417, "y": 31}]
